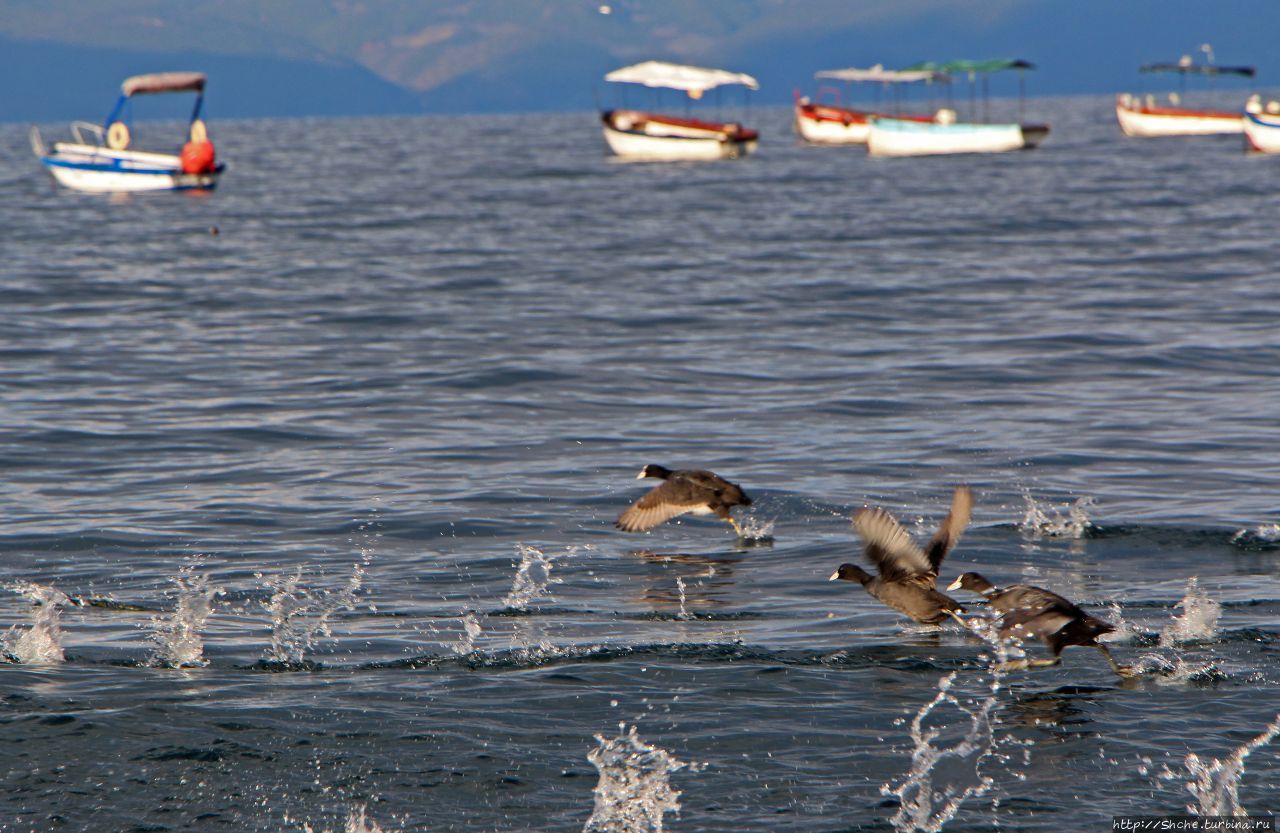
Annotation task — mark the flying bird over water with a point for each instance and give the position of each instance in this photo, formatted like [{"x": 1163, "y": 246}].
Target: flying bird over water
[
  {"x": 692, "y": 491},
  {"x": 1028, "y": 611},
  {"x": 908, "y": 575}
]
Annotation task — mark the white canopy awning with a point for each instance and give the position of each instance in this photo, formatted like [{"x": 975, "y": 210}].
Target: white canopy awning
[
  {"x": 164, "y": 82},
  {"x": 879, "y": 73},
  {"x": 695, "y": 80}
]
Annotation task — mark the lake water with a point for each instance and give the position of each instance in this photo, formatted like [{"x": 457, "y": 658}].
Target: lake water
[{"x": 354, "y": 462}]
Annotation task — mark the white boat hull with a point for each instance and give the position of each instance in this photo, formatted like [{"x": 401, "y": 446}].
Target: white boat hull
[
  {"x": 1145, "y": 122},
  {"x": 893, "y": 137},
  {"x": 102, "y": 170},
  {"x": 1262, "y": 130},
  {"x": 830, "y": 131},
  {"x": 652, "y": 138}
]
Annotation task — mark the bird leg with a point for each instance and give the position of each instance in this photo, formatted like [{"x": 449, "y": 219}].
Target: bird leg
[
  {"x": 1025, "y": 663},
  {"x": 1124, "y": 671},
  {"x": 736, "y": 528},
  {"x": 956, "y": 616}
]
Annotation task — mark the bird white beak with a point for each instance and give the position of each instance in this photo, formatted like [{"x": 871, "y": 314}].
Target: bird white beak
[
  {"x": 640, "y": 476},
  {"x": 834, "y": 576},
  {"x": 955, "y": 585}
]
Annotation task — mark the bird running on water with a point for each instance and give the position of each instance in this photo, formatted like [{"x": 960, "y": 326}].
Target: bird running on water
[
  {"x": 1027, "y": 611},
  {"x": 692, "y": 491},
  {"x": 908, "y": 575}
]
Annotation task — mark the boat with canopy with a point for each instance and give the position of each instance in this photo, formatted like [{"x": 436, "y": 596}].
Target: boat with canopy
[
  {"x": 889, "y": 136},
  {"x": 1144, "y": 116},
  {"x": 824, "y": 123},
  {"x": 642, "y": 134},
  {"x": 101, "y": 158}
]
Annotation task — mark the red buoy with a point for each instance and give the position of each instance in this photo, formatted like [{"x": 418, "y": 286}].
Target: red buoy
[{"x": 197, "y": 157}]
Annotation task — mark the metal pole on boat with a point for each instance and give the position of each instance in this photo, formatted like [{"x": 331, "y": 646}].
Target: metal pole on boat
[{"x": 1022, "y": 94}]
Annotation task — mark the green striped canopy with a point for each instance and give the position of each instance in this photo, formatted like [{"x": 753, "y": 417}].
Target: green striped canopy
[{"x": 973, "y": 67}]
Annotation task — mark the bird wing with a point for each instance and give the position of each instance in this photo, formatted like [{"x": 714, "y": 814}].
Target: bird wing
[
  {"x": 952, "y": 527},
  {"x": 661, "y": 503},
  {"x": 725, "y": 491},
  {"x": 1025, "y": 623},
  {"x": 1023, "y": 597},
  {"x": 888, "y": 546}
]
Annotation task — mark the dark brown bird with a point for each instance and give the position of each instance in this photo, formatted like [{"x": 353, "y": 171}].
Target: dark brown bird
[
  {"x": 1028, "y": 611},
  {"x": 693, "y": 491},
  {"x": 908, "y": 575}
]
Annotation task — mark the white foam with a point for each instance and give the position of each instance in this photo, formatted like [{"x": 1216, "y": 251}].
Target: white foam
[
  {"x": 1198, "y": 621},
  {"x": 41, "y": 643},
  {"x": 1041, "y": 520},
  {"x": 470, "y": 632},
  {"x": 300, "y": 616},
  {"x": 533, "y": 578},
  {"x": 756, "y": 529},
  {"x": 942, "y": 775},
  {"x": 634, "y": 792},
  {"x": 1215, "y": 782},
  {"x": 359, "y": 822},
  {"x": 177, "y": 635},
  {"x": 1264, "y": 534}
]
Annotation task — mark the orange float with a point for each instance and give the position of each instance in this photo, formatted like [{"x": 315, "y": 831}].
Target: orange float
[{"x": 198, "y": 157}]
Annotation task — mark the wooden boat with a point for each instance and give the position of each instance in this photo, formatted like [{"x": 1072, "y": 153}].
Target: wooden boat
[
  {"x": 1262, "y": 125},
  {"x": 890, "y": 136},
  {"x": 1142, "y": 116},
  {"x": 640, "y": 134},
  {"x": 100, "y": 157},
  {"x": 832, "y": 124}
]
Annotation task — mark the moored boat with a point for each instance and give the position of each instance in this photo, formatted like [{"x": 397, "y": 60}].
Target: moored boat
[
  {"x": 896, "y": 137},
  {"x": 100, "y": 157},
  {"x": 1262, "y": 125},
  {"x": 824, "y": 123},
  {"x": 645, "y": 135},
  {"x": 944, "y": 135},
  {"x": 1144, "y": 117}
]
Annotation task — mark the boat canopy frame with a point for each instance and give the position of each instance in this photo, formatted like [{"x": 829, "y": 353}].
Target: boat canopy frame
[
  {"x": 885, "y": 80},
  {"x": 155, "y": 83},
  {"x": 1186, "y": 67},
  {"x": 976, "y": 70}
]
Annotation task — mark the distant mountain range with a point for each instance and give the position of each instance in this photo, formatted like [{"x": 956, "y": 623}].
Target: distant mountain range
[{"x": 64, "y": 59}]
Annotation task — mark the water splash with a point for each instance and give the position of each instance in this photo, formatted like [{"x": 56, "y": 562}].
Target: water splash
[
  {"x": 684, "y": 598},
  {"x": 1044, "y": 521},
  {"x": 924, "y": 806},
  {"x": 533, "y": 578},
  {"x": 755, "y": 530},
  {"x": 1215, "y": 783},
  {"x": 358, "y": 821},
  {"x": 1176, "y": 671},
  {"x": 1198, "y": 621},
  {"x": 1125, "y": 630},
  {"x": 41, "y": 643},
  {"x": 634, "y": 792},
  {"x": 470, "y": 631},
  {"x": 1263, "y": 536},
  {"x": 300, "y": 616},
  {"x": 178, "y": 639}
]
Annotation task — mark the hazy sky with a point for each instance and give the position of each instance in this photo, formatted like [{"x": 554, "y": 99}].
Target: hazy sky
[{"x": 294, "y": 57}]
